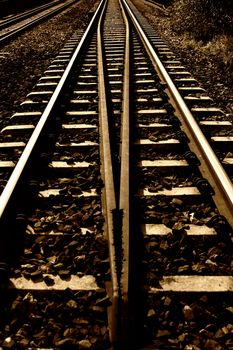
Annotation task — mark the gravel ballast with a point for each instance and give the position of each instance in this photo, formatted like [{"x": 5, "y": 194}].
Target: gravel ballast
[
  {"x": 206, "y": 67},
  {"x": 25, "y": 59}
]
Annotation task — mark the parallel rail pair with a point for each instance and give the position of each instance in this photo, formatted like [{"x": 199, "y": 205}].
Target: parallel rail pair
[
  {"x": 118, "y": 200},
  {"x": 9, "y": 28},
  {"x": 210, "y": 168}
]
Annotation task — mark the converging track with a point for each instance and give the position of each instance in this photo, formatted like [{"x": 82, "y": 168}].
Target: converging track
[{"x": 117, "y": 200}]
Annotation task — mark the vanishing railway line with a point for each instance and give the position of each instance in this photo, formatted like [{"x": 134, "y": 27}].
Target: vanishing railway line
[
  {"x": 116, "y": 214},
  {"x": 10, "y": 27},
  {"x": 9, "y": 20}
]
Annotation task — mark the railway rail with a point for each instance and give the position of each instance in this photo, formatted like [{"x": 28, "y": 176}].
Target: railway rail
[
  {"x": 116, "y": 208},
  {"x": 15, "y": 25},
  {"x": 9, "y": 20}
]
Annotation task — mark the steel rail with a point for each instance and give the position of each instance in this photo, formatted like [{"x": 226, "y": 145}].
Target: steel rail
[
  {"x": 124, "y": 193},
  {"x": 20, "y": 166},
  {"x": 109, "y": 190},
  {"x": 215, "y": 174},
  {"x": 9, "y": 21},
  {"x": 156, "y": 5},
  {"x": 6, "y": 36}
]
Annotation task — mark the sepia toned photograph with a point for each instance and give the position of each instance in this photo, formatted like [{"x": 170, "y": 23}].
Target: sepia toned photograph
[{"x": 116, "y": 174}]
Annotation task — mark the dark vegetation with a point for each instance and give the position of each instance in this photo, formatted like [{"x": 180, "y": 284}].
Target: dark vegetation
[
  {"x": 200, "y": 32},
  {"x": 203, "y": 19},
  {"x": 206, "y": 25}
]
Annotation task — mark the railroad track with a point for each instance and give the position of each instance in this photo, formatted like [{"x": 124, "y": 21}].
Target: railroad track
[
  {"x": 116, "y": 214},
  {"x": 9, "y": 20},
  {"x": 15, "y": 25}
]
